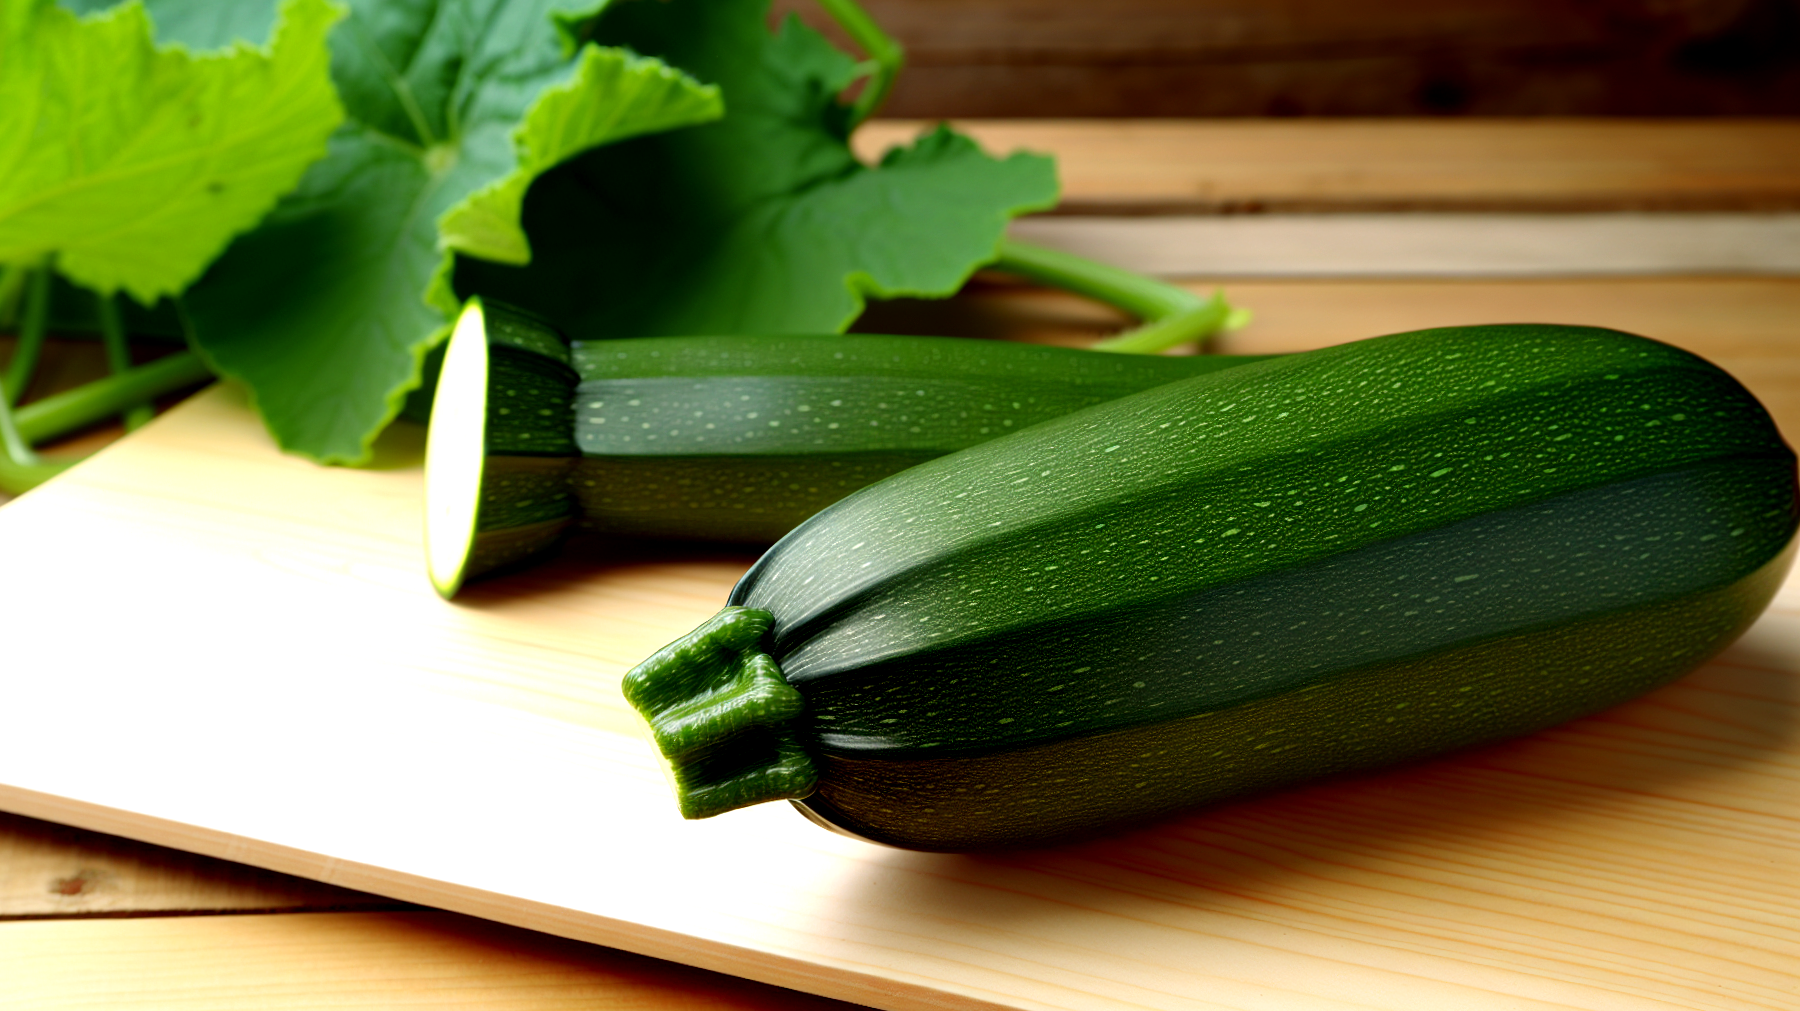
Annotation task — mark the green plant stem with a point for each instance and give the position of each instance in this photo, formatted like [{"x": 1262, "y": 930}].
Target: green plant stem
[
  {"x": 12, "y": 283},
  {"x": 67, "y": 411},
  {"x": 20, "y": 468},
  {"x": 1144, "y": 297},
  {"x": 883, "y": 52},
  {"x": 118, "y": 355},
  {"x": 17, "y": 447},
  {"x": 18, "y": 478},
  {"x": 31, "y": 337},
  {"x": 1196, "y": 324},
  {"x": 1172, "y": 315}
]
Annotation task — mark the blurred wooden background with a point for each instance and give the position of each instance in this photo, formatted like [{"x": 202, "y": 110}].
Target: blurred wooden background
[{"x": 1012, "y": 58}]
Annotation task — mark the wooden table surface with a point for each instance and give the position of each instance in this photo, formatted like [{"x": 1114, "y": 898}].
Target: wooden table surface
[{"x": 98, "y": 921}]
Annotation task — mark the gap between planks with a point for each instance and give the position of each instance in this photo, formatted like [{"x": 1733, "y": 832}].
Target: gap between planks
[
  {"x": 423, "y": 959},
  {"x": 50, "y": 871}
]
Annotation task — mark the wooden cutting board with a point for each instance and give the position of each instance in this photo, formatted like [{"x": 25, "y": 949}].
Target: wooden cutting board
[{"x": 209, "y": 645}]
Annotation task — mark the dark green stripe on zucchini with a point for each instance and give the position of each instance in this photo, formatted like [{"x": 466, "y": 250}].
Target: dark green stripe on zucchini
[
  {"x": 741, "y": 438},
  {"x": 1321, "y": 563}
]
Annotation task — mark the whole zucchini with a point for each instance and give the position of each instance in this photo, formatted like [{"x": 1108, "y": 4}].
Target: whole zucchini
[
  {"x": 1324, "y": 562},
  {"x": 720, "y": 438}
]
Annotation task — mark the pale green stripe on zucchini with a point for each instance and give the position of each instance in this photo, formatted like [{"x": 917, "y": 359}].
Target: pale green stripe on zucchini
[{"x": 741, "y": 438}]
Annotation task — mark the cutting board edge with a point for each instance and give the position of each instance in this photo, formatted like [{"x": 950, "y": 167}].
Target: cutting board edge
[{"x": 839, "y": 982}]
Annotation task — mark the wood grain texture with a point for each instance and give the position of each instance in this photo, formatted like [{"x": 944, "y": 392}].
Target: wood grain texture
[
  {"x": 55, "y": 871},
  {"x": 1163, "y": 166},
  {"x": 337, "y": 721},
  {"x": 1318, "y": 58},
  {"x": 1454, "y": 245},
  {"x": 350, "y": 960}
]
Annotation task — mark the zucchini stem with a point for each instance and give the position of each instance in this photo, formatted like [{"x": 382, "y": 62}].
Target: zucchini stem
[
  {"x": 18, "y": 448},
  {"x": 885, "y": 57},
  {"x": 65, "y": 412},
  {"x": 1211, "y": 315},
  {"x": 22, "y": 469},
  {"x": 31, "y": 337},
  {"x": 722, "y": 716},
  {"x": 1172, "y": 315},
  {"x": 17, "y": 478},
  {"x": 118, "y": 354}
]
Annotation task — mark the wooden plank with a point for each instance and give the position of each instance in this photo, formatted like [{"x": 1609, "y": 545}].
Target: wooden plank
[
  {"x": 350, "y": 960},
  {"x": 335, "y": 720},
  {"x": 1126, "y": 31},
  {"x": 1175, "y": 166},
  {"x": 1429, "y": 245},
  {"x": 1318, "y": 58},
  {"x": 54, "y": 871}
]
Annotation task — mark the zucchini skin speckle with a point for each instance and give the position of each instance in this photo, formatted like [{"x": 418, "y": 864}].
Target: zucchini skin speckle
[
  {"x": 741, "y": 438},
  {"x": 1328, "y": 562}
]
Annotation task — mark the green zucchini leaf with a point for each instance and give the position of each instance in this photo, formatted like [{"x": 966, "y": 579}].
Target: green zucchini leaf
[
  {"x": 763, "y": 222},
  {"x": 133, "y": 165},
  {"x": 454, "y": 107}
]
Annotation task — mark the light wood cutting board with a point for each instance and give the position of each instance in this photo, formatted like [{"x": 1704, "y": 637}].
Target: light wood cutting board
[{"x": 212, "y": 646}]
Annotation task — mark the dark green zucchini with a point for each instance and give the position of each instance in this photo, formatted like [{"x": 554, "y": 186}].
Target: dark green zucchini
[
  {"x": 718, "y": 438},
  {"x": 741, "y": 438},
  {"x": 1321, "y": 563}
]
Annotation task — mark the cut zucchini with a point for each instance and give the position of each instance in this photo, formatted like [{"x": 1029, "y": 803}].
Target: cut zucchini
[
  {"x": 500, "y": 450},
  {"x": 740, "y": 438}
]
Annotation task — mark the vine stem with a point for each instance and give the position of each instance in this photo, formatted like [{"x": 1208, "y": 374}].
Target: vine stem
[
  {"x": 1172, "y": 316},
  {"x": 118, "y": 355},
  {"x": 12, "y": 283},
  {"x": 21, "y": 469},
  {"x": 31, "y": 337},
  {"x": 18, "y": 448},
  {"x": 65, "y": 412},
  {"x": 17, "y": 478},
  {"x": 885, "y": 57}
]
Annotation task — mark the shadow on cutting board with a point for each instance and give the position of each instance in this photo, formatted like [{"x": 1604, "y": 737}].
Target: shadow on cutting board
[{"x": 586, "y": 558}]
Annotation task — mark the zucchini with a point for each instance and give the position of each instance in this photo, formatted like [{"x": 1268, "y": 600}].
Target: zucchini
[
  {"x": 497, "y": 477},
  {"x": 741, "y": 438},
  {"x": 717, "y": 438},
  {"x": 1320, "y": 563}
]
